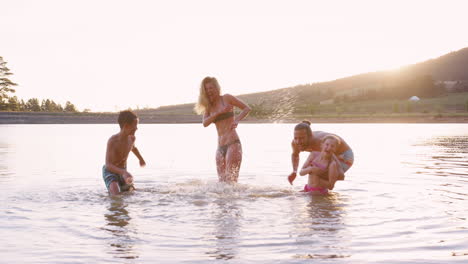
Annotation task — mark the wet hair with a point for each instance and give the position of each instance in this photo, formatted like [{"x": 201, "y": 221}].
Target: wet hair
[
  {"x": 126, "y": 117},
  {"x": 304, "y": 125},
  {"x": 337, "y": 139},
  {"x": 203, "y": 103}
]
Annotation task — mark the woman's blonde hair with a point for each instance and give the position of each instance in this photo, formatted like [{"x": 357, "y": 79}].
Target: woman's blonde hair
[{"x": 203, "y": 103}]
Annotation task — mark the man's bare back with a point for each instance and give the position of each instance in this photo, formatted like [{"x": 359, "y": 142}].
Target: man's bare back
[{"x": 314, "y": 145}]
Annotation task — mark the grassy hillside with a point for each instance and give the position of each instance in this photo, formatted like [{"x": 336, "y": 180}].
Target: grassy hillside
[
  {"x": 449, "y": 67},
  {"x": 384, "y": 92}
]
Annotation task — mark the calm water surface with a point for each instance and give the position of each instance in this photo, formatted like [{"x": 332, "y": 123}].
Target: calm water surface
[{"x": 403, "y": 201}]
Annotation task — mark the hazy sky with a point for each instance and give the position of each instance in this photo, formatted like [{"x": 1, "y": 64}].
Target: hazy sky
[{"x": 109, "y": 55}]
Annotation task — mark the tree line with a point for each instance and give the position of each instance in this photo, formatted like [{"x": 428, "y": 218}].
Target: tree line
[
  {"x": 33, "y": 105},
  {"x": 12, "y": 103}
]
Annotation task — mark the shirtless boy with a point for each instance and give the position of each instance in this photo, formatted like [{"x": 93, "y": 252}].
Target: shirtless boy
[{"x": 114, "y": 172}]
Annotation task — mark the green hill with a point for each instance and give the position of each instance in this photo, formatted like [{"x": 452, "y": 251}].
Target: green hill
[{"x": 429, "y": 80}]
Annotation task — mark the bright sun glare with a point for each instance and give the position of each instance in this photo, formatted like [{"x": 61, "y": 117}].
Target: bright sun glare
[{"x": 156, "y": 53}]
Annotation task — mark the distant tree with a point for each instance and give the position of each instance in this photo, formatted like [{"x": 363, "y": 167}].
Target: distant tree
[
  {"x": 338, "y": 99},
  {"x": 22, "y": 105},
  {"x": 258, "y": 110},
  {"x": 346, "y": 98},
  {"x": 466, "y": 106},
  {"x": 440, "y": 87},
  {"x": 313, "y": 109},
  {"x": 69, "y": 107},
  {"x": 52, "y": 106},
  {"x": 439, "y": 108},
  {"x": 59, "y": 108},
  {"x": 409, "y": 107},
  {"x": 372, "y": 94},
  {"x": 328, "y": 94},
  {"x": 43, "y": 106},
  {"x": 339, "y": 110},
  {"x": 13, "y": 104},
  {"x": 33, "y": 105},
  {"x": 396, "y": 108},
  {"x": 48, "y": 106},
  {"x": 428, "y": 88},
  {"x": 5, "y": 83}
]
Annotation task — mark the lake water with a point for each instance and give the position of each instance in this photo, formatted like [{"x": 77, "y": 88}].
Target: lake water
[{"x": 405, "y": 200}]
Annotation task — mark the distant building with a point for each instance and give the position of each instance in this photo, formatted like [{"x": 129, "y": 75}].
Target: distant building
[
  {"x": 461, "y": 86},
  {"x": 448, "y": 85},
  {"x": 455, "y": 86}
]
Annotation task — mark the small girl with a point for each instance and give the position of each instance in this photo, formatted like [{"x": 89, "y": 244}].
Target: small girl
[{"x": 317, "y": 165}]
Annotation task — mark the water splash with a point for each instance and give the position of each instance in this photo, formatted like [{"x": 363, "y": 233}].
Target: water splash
[
  {"x": 196, "y": 189},
  {"x": 284, "y": 108}
]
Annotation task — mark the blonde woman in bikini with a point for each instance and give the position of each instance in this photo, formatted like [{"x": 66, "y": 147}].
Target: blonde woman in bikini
[
  {"x": 219, "y": 109},
  {"x": 319, "y": 164}
]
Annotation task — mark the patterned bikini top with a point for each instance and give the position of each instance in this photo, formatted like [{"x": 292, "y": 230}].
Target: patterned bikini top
[
  {"x": 319, "y": 165},
  {"x": 224, "y": 116}
]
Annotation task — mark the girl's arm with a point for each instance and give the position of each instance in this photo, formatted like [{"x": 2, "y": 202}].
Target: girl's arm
[
  {"x": 307, "y": 169},
  {"x": 241, "y": 105},
  {"x": 329, "y": 183}
]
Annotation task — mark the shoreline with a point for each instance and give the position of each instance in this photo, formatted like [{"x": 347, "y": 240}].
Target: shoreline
[{"x": 111, "y": 118}]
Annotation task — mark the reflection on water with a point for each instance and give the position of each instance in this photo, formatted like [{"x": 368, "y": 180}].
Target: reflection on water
[
  {"x": 320, "y": 227},
  {"x": 447, "y": 159},
  {"x": 117, "y": 218},
  {"x": 450, "y": 155},
  {"x": 325, "y": 213},
  {"x": 226, "y": 220},
  {"x": 4, "y": 172},
  {"x": 444, "y": 157},
  {"x": 403, "y": 201},
  {"x": 454, "y": 144}
]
